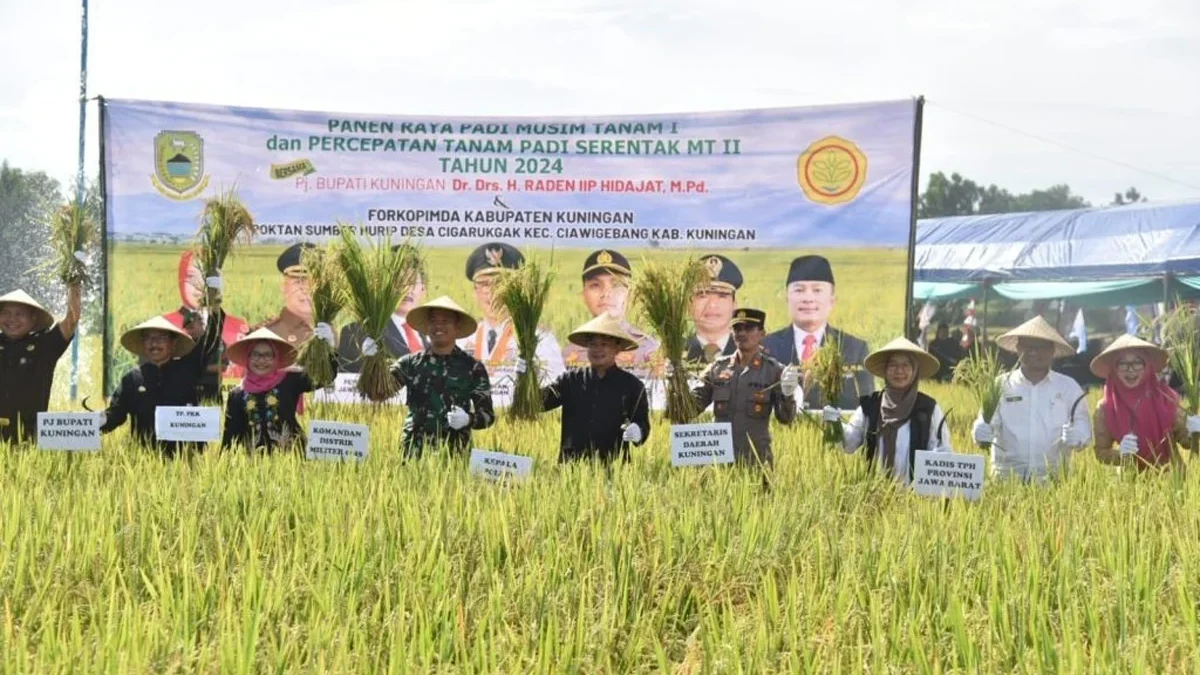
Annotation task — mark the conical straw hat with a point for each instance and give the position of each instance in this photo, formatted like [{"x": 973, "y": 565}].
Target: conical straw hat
[
  {"x": 1038, "y": 329},
  {"x": 42, "y": 319},
  {"x": 606, "y": 326},
  {"x": 419, "y": 316},
  {"x": 239, "y": 352},
  {"x": 876, "y": 362},
  {"x": 1156, "y": 357},
  {"x": 132, "y": 339}
]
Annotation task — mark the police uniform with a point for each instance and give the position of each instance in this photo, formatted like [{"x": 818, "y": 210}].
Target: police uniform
[
  {"x": 607, "y": 261},
  {"x": 496, "y": 344},
  {"x": 291, "y": 327},
  {"x": 727, "y": 277},
  {"x": 745, "y": 394}
]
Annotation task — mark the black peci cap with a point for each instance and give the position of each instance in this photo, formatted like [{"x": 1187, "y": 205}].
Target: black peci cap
[{"x": 810, "y": 268}]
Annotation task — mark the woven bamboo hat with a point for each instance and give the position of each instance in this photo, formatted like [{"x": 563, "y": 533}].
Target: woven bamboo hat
[
  {"x": 132, "y": 338},
  {"x": 1155, "y": 356},
  {"x": 876, "y": 362},
  {"x": 1037, "y": 329},
  {"x": 419, "y": 316},
  {"x": 42, "y": 318},
  {"x": 605, "y": 326},
  {"x": 239, "y": 352}
]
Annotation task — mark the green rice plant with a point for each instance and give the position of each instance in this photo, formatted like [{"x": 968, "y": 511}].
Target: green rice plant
[
  {"x": 329, "y": 296},
  {"x": 74, "y": 230},
  {"x": 522, "y": 293},
  {"x": 377, "y": 278},
  {"x": 980, "y": 373},
  {"x": 225, "y": 223},
  {"x": 827, "y": 369},
  {"x": 662, "y": 292}
]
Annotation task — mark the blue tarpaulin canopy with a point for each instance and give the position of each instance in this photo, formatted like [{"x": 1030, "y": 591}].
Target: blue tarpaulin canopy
[{"x": 1140, "y": 243}]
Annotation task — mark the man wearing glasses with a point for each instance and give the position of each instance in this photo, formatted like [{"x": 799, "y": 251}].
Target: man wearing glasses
[{"x": 1041, "y": 418}]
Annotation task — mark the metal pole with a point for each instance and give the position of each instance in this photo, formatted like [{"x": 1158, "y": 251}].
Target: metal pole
[{"x": 79, "y": 177}]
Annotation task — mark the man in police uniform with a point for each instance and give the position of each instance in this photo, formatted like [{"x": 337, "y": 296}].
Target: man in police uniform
[
  {"x": 606, "y": 275},
  {"x": 712, "y": 311},
  {"x": 295, "y": 321},
  {"x": 494, "y": 342},
  {"x": 746, "y": 387}
]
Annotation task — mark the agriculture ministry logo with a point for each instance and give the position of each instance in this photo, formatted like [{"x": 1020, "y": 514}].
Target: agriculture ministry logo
[
  {"x": 179, "y": 164},
  {"x": 832, "y": 170}
]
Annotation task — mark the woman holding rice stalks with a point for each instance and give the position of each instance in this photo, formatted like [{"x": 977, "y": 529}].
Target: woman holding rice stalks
[
  {"x": 261, "y": 413},
  {"x": 891, "y": 425},
  {"x": 1040, "y": 418},
  {"x": 1139, "y": 413}
]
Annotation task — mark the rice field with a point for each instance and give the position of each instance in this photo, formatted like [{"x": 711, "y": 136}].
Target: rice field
[
  {"x": 122, "y": 563},
  {"x": 119, "y": 562}
]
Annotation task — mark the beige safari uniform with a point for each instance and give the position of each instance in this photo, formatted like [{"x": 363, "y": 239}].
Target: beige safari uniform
[
  {"x": 740, "y": 395},
  {"x": 289, "y": 327}
]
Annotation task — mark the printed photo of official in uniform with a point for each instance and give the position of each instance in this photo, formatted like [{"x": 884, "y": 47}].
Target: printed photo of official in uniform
[{"x": 606, "y": 280}]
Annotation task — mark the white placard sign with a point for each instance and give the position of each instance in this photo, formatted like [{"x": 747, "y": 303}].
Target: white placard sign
[
  {"x": 948, "y": 474},
  {"x": 499, "y": 465},
  {"x": 73, "y": 432},
  {"x": 187, "y": 424},
  {"x": 700, "y": 444},
  {"x": 345, "y": 390},
  {"x": 337, "y": 441}
]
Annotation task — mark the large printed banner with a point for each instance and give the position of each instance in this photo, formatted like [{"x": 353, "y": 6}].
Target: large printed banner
[{"x": 804, "y": 213}]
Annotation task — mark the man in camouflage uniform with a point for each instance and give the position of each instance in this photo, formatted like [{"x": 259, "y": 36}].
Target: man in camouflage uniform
[
  {"x": 606, "y": 277},
  {"x": 449, "y": 392},
  {"x": 746, "y": 387}
]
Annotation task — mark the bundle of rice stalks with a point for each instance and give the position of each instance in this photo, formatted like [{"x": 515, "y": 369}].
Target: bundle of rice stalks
[
  {"x": 826, "y": 369},
  {"x": 326, "y": 284},
  {"x": 522, "y": 292},
  {"x": 980, "y": 372},
  {"x": 662, "y": 292},
  {"x": 73, "y": 230},
  {"x": 1181, "y": 339},
  {"x": 224, "y": 223},
  {"x": 377, "y": 278}
]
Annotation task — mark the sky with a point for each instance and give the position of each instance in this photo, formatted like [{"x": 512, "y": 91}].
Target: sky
[{"x": 1101, "y": 95}]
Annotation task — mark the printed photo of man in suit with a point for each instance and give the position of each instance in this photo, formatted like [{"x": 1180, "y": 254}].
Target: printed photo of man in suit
[
  {"x": 811, "y": 297},
  {"x": 401, "y": 338},
  {"x": 712, "y": 311}
]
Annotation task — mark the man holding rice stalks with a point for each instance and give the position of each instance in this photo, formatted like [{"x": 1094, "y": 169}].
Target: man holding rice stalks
[
  {"x": 606, "y": 281},
  {"x": 493, "y": 341},
  {"x": 30, "y": 346},
  {"x": 449, "y": 392},
  {"x": 604, "y": 407},
  {"x": 1040, "y": 418},
  {"x": 744, "y": 389}
]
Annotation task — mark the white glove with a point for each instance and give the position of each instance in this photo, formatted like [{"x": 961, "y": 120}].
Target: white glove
[
  {"x": 1071, "y": 437},
  {"x": 830, "y": 414},
  {"x": 103, "y": 419},
  {"x": 81, "y": 257},
  {"x": 324, "y": 332},
  {"x": 983, "y": 432},
  {"x": 520, "y": 366},
  {"x": 215, "y": 283},
  {"x": 1129, "y": 445},
  {"x": 457, "y": 418},
  {"x": 789, "y": 379},
  {"x": 1193, "y": 424},
  {"x": 369, "y": 348},
  {"x": 633, "y": 434}
]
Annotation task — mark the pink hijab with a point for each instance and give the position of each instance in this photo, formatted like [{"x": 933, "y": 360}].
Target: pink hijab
[
  {"x": 253, "y": 383},
  {"x": 1147, "y": 410}
]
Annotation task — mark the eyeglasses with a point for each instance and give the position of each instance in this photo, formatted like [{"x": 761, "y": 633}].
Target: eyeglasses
[
  {"x": 260, "y": 356},
  {"x": 1131, "y": 366}
]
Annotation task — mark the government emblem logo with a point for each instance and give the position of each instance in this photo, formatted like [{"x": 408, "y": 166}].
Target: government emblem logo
[
  {"x": 179, "y": 164},
  {"x": 832, "y": 171}
]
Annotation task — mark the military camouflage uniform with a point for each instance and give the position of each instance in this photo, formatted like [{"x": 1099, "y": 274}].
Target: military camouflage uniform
[
  {"x": 745, "y": 396},
  {"x": 435, "y": 385}
]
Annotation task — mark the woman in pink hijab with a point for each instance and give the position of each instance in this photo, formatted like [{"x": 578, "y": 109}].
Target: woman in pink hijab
[
  {"x": 260, "y": 414},
  {"x": 1139, "y": 414}
]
